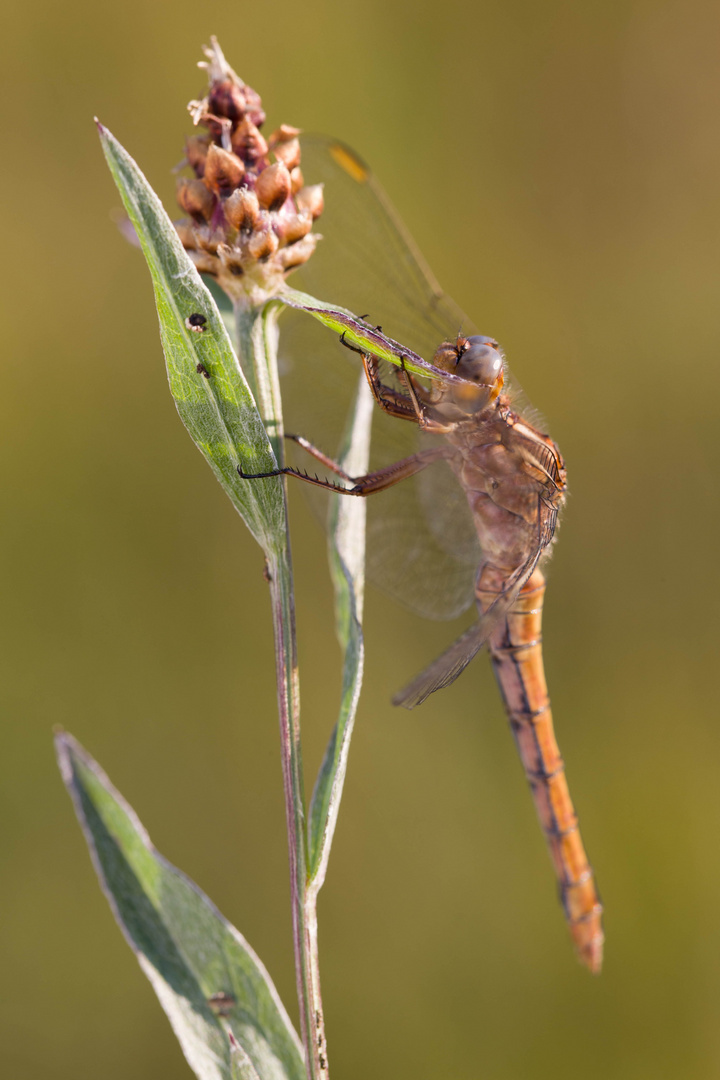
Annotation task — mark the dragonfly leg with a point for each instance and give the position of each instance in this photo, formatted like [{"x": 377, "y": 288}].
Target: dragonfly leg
[
  {"x": 318, "y": 454},
  {"x": 418, "y": 409},
  {"x": 419, "y": 406},
  {"x": 352, "y": 348},
  {"x": 402, "y": 406},
  {"x": 384, "y": 478},
  {"x": 426, "y": 457},
  {"x": 389, "y": 400},
  {"x": 362, "y": 485}
]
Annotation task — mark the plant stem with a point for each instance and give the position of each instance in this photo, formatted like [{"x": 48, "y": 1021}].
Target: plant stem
[{"x": 257, "y": 350}]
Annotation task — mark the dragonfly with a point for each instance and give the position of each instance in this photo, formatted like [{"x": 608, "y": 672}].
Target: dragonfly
[{"x": 482, "y": 483}]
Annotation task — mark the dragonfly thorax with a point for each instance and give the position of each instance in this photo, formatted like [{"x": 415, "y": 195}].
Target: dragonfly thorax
[{"x": 478, "y": 360}]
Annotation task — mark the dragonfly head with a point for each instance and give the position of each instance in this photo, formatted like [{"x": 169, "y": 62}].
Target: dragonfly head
[{"x": 477, "y": 359}]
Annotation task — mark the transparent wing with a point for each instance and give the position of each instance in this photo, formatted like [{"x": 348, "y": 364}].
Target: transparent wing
[
  {"x": 422, "y": 548},
  {"x": 367, "y": 260},
  {"x": 449, "y": 665},
  {"x": 422, "y": 545}
]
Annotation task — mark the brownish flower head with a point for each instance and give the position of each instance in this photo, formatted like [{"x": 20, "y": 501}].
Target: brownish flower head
[
  {"x": 286, "y": 146},
  {"x": 223, "y": 170},
  {"x": 273, "y": 186},
  {"x": 250, "y": 215}
]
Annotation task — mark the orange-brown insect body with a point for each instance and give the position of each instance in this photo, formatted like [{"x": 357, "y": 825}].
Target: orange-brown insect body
[{"x": 516, "y": 652}]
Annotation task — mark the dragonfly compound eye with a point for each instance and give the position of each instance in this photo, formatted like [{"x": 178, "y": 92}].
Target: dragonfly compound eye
[{"x": 481, "y": 363}]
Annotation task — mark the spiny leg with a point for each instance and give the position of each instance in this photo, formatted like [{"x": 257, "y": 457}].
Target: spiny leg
[
  {"x": 418, "y": 409},
  {"x": 369, "y": 484},
  {"x": 419, "y": 405},
  {"x": 320, "y": 456},
  {"x": 389, "y": 400},
  {"x": 402, "y": 406}
]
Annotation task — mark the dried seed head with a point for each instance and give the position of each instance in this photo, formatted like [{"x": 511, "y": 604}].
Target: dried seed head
[
  {"x": 207, "y": 238},
  {"x": 299, "y": 253},
  {"x": 223, "y": 170},
  {"x": 296, "y": 179},
  {"x": 284, "y": 133},
  {"x": 220, "y": 127},
  {"x": 263, "y": 243},
  {"x": 196, "y": 148},
  {"x": 294, "y": 227},
  {"x": 285, "y": 145},
  {"x": 226, "y": 98},
  {"x": 195, "y": 199},
  {"x": 254, "y": 106},
  {"x": 249, "y": 220},
  {"x": 273, "y": 186},
  {"x": 231, "y": 260},
  {"x": 204, "y": 263},
  {"x": 311, "y": 200},
  {"x": 288, "y": 153},
  {"x": 187, "y": 235},
  {"x": 242, "y": 209},
  {"x": 247, "y": 142}
]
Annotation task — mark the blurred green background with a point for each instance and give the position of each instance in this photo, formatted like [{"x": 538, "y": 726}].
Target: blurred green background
[{"x": 559, "y": 165}]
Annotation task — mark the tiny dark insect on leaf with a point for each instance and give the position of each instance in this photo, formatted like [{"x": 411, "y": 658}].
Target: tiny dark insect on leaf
[
  {"x": 196, "y": 323},
  {"x": 202, "y": 370},
  {"x": 222, "y": 1003}
]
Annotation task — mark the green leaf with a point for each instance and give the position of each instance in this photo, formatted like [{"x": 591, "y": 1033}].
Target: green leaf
[
  {"x": 188, "y": 951},
  {"x": 366, "y": 338},
  {"x": 223, "y": 302},
  {"x": 218, "y": 410},
  {"x": 346, "y": 549}
]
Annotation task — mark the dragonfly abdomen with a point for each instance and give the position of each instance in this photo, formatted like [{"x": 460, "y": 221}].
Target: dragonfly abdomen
[{"x": 516, "y": 652}]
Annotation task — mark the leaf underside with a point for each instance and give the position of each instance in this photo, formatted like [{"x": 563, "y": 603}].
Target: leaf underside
[{"x": 220, "y": 1000}]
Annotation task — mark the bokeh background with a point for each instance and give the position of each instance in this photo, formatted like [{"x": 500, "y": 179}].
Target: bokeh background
[{"x": 559, "y": 165}]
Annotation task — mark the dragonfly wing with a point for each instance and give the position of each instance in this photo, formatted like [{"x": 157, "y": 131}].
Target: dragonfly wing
[
  {"x": 411, "y": 553},
  {"x": 422, "y": 544},
  {"x": 367, "y": 260},
  {"x": 377, "y": 267},
  {"x": 409, "y": 556},
  {"x": 445, "y": 670}
]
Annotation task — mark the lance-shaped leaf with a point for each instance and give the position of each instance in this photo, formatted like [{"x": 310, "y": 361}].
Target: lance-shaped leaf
[
  {"x": 346, "y": 549},
  {"x": 219, "y": 998},
  {"x": 368, "y": 339},
  {"x": 206, "y": 380}
]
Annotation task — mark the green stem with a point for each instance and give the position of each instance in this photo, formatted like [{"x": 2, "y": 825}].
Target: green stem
[{"x": 257, "y": 349}]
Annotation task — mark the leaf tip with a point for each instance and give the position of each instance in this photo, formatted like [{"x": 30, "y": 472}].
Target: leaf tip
[
  {"x": 68, "y": 752},
  {"x": 101, "y": 127},
  {"x": 63, "y": 750}
]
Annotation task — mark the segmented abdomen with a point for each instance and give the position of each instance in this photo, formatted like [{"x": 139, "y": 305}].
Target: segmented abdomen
[{"x": 516, "y": 652}]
